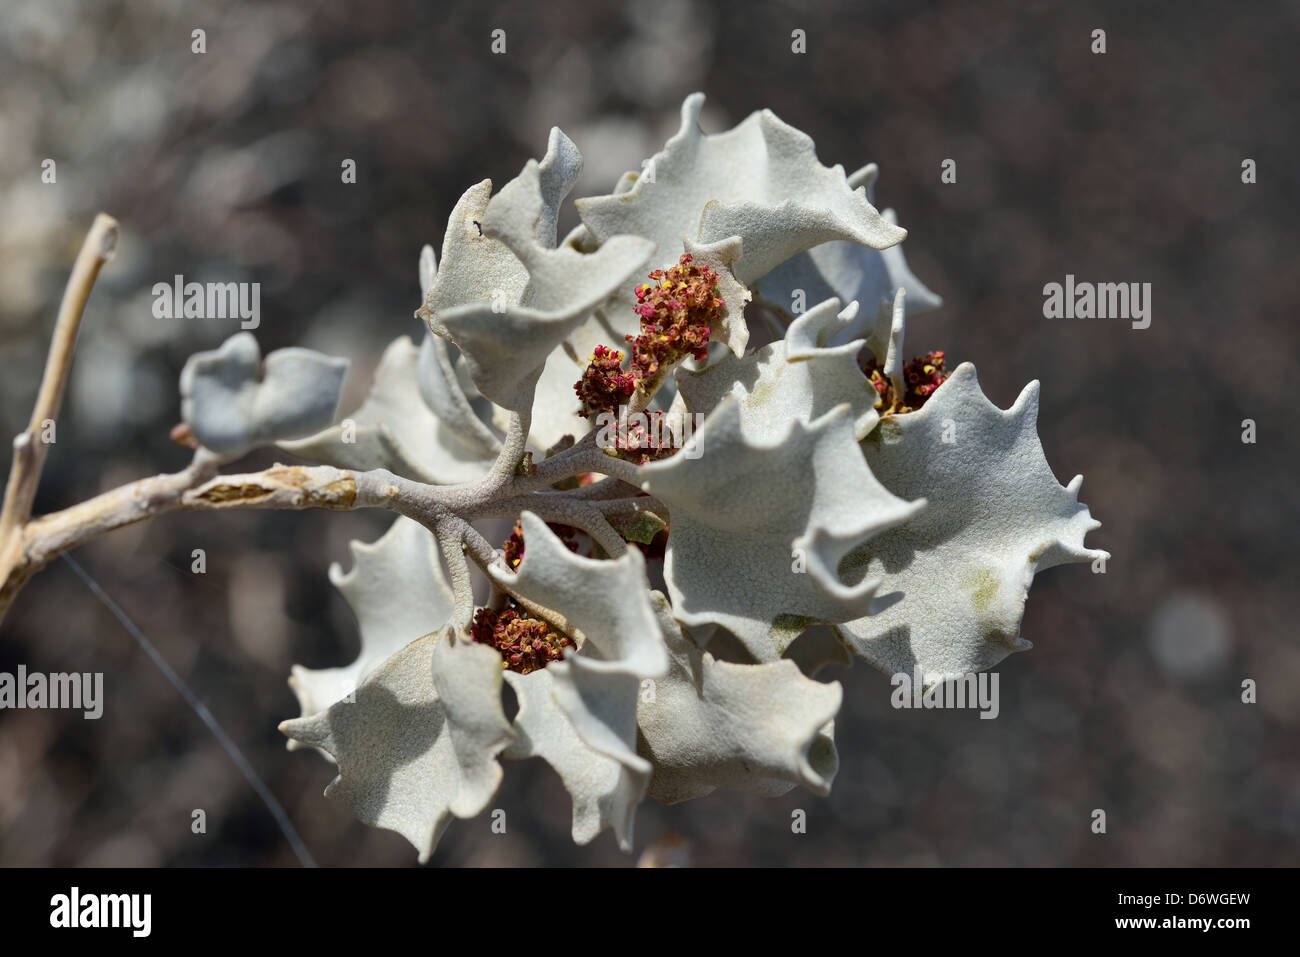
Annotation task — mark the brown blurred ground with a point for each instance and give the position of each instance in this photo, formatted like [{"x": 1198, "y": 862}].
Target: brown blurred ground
[{"x": 1122, "y": 167}]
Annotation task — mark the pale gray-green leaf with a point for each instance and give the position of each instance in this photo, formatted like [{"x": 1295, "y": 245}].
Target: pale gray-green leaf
[
  {"x": 955, "y": 578},
  {"x": 233, "y": 401}
]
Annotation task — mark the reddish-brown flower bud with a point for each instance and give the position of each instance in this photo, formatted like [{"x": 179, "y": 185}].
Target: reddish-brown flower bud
[
  {"x": 514, "y": 545},
  {"x": 921, "y": 377},
  {"x": 605, "y": 384},
  {"x": 525, "y": 643},
  {"x": 678, "y": 314}
]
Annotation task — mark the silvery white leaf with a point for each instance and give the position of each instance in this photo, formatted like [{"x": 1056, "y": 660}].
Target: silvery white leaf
[
  {"x": 759, "y": 528},
  {"x": 475, "y": 267},
  {"x": 849, "y": 272},
  {"x": 605, "y": 603},
  {"x": 442, "y": 386},
  {"x": 955, "y": 579},
  {"x": 762, "y": 728},
  {"x": 394, "y": 429},
  {"x": 467, "y": 679},
  {"x": 605, "y": 606},
  {"x": 604, "y": 794},
  {"x": 397, "y": 590},
  {"x": 760, "y": 181},
  {"x": 505, "y": 295},
  {"x": 742, "y": 201},
  {"x": 404, "y": 761},
  {"x": 428, "y": 271},
  {"x": 797, "y": 378},
  {"x": 555, "y": 403},
  {"x": 233, "y": 401},
  {"x": 506, "y": 343},
  {"x": 886, "y": 340},
  {"x": 557, "y": 172}
]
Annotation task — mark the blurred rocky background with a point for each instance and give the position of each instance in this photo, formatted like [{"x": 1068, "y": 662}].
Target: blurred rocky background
[{"x": 1117, "y": 167}]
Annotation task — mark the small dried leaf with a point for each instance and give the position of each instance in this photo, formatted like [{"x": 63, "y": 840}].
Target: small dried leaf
[{"x": 639, "y": 526}]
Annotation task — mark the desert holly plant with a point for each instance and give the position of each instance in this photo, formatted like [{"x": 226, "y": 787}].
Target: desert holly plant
[{"x": 686, "y": 506}]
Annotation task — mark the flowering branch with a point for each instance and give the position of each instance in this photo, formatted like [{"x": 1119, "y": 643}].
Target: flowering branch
[{"x": 835, "y": 472}]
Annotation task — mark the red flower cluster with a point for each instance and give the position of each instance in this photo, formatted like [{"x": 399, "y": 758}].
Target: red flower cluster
[
  {"x": 604, "y": 385},
  {"x": 678, "y": 314},
  {"x": 921, "y": 376},
  {"x": 883, "y": 386},
  {"x": 643, "y": 445},
  {"x": 514, "y": 545},
  {"x": 525, "y": 643}
]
